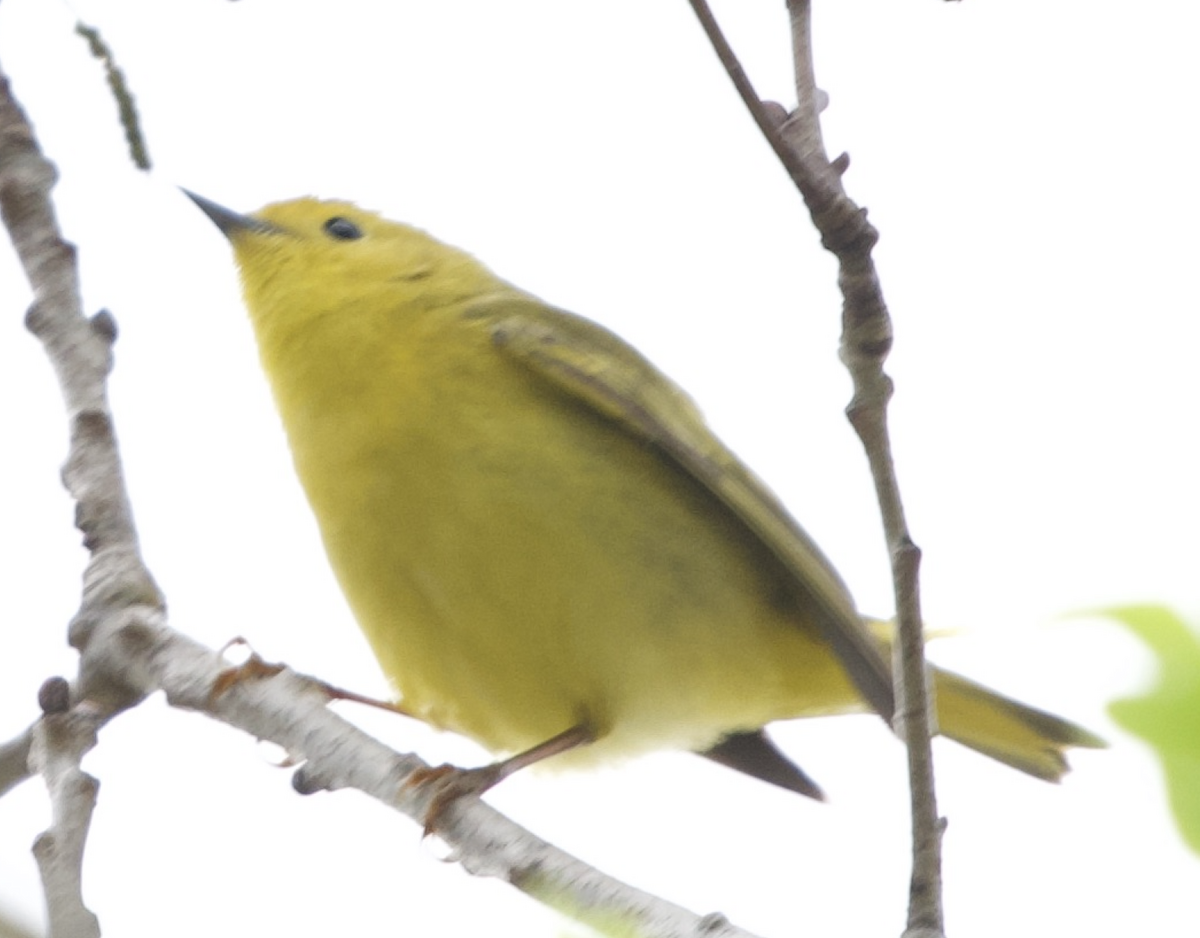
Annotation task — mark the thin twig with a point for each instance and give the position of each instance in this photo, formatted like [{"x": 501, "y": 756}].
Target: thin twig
[
  {"x": 126, "y": 106},
  {"x": 866, "y": 341},
  {"x": 14, "y": 761}
]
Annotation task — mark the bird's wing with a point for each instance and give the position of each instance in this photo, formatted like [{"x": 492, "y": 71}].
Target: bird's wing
[{"x": 599, "y": 369}]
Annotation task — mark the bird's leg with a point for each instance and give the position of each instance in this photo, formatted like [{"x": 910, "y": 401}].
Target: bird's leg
[
  {"x": 453, "y": 782},
  {"x": 340, "y": 693}
]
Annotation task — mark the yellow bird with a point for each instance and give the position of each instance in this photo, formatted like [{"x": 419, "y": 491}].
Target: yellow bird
[{"x": 547, "y": 548}]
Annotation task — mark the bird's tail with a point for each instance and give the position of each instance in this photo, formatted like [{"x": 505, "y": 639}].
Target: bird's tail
[{"x": 1018, "y": 735}]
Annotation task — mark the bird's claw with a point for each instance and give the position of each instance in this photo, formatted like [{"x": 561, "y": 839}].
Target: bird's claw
[
  {"x": 253, "y": 668},
  {"x": 450, "y": 783}
]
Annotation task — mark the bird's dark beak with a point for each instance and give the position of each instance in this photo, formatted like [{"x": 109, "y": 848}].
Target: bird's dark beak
[{"x": 228, "y": 221}]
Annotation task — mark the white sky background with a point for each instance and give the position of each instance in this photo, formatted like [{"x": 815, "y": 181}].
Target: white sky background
[{"x": 1032, "y": 168}]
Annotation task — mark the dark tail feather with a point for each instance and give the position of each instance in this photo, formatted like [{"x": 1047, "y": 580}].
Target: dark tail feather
[{"x": 755, "y": 755}]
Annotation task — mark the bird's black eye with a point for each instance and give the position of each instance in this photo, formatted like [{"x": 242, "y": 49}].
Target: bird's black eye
[{"x": 343, "y": 229}]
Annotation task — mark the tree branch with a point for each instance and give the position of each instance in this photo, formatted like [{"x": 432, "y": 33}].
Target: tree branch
[
  {"x": 290, "y": 710},
  {"x": 60, "y": 741},
  {"x": 866, "y": 340},
  {"x": 14, "y": 761}
]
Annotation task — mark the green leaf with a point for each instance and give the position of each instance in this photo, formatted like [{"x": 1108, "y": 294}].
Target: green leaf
[{"x": 1167, "y": 716}]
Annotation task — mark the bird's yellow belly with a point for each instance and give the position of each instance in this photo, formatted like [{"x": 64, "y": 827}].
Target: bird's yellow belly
[{"x": 519, "y": 576}]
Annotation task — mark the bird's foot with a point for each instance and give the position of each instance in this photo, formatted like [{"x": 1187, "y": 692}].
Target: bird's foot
[
  {"x": 450, "y": 783},
  {"x": 254, "y": 668}
]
